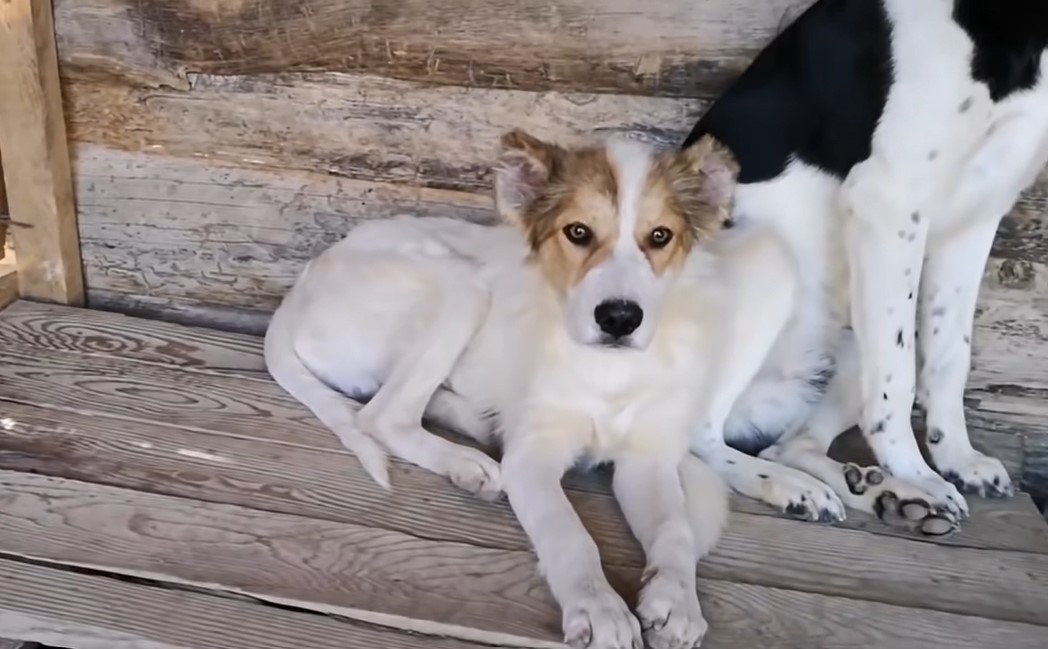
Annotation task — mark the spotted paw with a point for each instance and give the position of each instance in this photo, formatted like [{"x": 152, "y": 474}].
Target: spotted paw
[
  {"x": 861, "y": 479},
  {"x": 915, "y": 514},
  {"x": 599, "y": 619},
  {"x": 976, "y": 473},
  {"x": 941, "y": 495},
  {"x": 800, "y": 496},
  {"x": 475, "y": 472},
  {"x": 669, "y": 611}
]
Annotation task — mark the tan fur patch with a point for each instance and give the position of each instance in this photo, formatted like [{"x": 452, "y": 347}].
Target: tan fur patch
[
  {"x": 580, "y": 186},
  {"x": 582, "y": 189}
]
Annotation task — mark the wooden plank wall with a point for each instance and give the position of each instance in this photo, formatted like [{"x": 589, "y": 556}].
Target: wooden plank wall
[{"x": 219, "y": 144}]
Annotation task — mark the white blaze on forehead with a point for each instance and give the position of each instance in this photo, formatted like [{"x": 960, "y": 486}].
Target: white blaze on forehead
[{"x": 631, "y": 161}]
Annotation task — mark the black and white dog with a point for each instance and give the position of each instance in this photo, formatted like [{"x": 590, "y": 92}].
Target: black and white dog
[{"x": 884, "y": 140}]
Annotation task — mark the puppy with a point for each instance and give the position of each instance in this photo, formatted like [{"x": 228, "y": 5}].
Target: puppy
[
  {"x": 884, "y": 140},
  {"x": 573, "y": 335}
]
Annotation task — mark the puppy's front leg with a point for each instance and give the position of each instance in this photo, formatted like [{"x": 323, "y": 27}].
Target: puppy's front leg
[
  {"x": 649, "y": 491},
  {"x": 594, "y": 616}
]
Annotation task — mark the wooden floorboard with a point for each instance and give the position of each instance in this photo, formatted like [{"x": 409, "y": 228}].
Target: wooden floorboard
[
  {"x": 154, "y": 451},
  {"x": 391, "y": 580},
  {"x": 1010, "y": 585},
  {"x": 236, "y": 404},
  {"x": 62, "y": 608},
  {"x": 115, "y": 335}
]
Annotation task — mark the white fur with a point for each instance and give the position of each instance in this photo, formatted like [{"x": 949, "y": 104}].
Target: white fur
[{"x": 448, "y": 319}]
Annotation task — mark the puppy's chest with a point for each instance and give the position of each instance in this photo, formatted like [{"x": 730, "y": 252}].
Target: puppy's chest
[{"x": 626, "y": 406}]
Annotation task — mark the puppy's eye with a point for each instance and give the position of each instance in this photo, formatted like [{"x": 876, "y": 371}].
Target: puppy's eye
[
  {"x": 659, "y": 237},
  {"x": 578, "y": 234}
]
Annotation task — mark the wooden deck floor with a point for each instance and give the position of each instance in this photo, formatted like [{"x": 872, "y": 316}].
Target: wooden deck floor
[{"x": 158, "y": 490}]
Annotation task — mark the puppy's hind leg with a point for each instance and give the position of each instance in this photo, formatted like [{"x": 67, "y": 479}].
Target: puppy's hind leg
[
  {"x": 394, "y": 415},
  {"x": 329, "y": 406}
]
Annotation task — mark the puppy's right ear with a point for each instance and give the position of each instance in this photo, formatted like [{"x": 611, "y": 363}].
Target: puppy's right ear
[{"x": 524, "y": 168}]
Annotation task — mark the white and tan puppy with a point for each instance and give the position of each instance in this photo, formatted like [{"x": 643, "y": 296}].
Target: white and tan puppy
[{"x": 573, "y": 335}]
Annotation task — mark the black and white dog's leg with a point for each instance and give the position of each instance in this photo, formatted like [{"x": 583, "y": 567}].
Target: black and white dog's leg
[
  {"x": 885, "y": 238},
  {"x": 867, "y": 489},
  {"x": 1009, "y": 158},
  {"x": 594, "y": 615},
  {"x": 949, "y": 289},
  {"x": 649, "y": 491},
  {"x": 757, "y": 319}
]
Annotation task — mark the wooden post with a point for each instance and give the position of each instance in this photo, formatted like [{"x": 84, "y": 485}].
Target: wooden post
[{"x": 36, "y": 156}]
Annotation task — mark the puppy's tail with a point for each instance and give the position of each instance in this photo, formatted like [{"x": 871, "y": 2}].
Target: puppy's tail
[
  {"x": 706, "y": 499},
  {"x": 332, "y": 408}
]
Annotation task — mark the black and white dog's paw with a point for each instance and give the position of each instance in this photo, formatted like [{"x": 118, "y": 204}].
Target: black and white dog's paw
[
  {"x": 915, "y": 514},
  {"x": 975, "y": 473},
  {"x": 800, "y": 495},
  {"x": 898, "y": 503}
]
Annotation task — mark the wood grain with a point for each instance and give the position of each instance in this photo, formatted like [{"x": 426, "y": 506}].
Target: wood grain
[
  {"x": 348, "y": 570},
  {"x": 357, "y": 126},
  {"x": 106, "y": 335},
  {"x": 170, "y": 234},
  {"x": 36, "y": 158},
  {"x": 378, "y": 129},
  {"x": 232, "y": 405},
  {"x": 362, "y": 573},
  {"x": 667, "y": 47},
  {"x": 303, "y": 481},
  {"x": 100, "y": 333},
  {"x": 17, "y": 644},
  {"x": 49, "y": 605},
  {"x": 322, "y": 484},
  {"x": 8, "y": 285}
]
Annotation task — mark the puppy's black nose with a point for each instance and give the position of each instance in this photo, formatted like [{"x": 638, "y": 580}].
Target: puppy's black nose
[{"x": 618, "y": 318}]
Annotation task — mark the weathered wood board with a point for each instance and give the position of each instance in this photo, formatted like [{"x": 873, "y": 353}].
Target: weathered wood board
[{"x": 659, "y": 47}]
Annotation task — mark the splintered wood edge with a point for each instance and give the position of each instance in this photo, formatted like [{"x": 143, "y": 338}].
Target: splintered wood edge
[{"x": 8, "y": 288}]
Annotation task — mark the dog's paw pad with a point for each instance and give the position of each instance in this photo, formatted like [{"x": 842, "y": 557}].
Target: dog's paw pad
[
  {"x": 915, "y": 514},
  {"x": 801, "y": 496},
  {"x": 600, "y": 620},
  {"x": 476, "y": 473},
  {"x": 669, "y": 612}
]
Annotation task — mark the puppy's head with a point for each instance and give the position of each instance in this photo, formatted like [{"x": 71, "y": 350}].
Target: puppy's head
[{"x": 611, "y": 225}]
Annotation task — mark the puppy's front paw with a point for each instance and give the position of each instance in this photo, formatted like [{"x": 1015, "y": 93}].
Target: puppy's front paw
[
  {"x": 599, "y": 619},
  {"x": 669, "y": 612},
  {"x": 475, "y": 472}
]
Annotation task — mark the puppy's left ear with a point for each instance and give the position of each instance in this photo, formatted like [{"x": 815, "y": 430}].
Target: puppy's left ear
[
  {"x": 717, "y": 171},
  {"x": 523, "y": 171}
]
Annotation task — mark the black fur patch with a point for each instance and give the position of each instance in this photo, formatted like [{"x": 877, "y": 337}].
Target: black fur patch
[
  {"x": 816, "y": 93},
  {"x": 1009, "y": 38}
]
